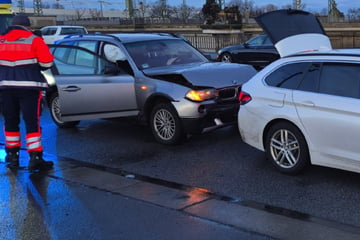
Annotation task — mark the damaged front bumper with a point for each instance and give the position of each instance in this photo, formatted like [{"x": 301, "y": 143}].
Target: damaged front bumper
[{"x": 215, "y": 116}]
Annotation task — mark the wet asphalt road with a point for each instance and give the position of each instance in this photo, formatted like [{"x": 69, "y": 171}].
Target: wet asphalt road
[{"x": 217, "y": 161}]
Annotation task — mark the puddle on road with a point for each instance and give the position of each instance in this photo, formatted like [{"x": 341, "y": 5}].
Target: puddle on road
[{"x": 34, "y": 205}]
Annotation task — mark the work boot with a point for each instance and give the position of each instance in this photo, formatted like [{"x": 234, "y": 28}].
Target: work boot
[
  {"x": 37, "y": 163},
  {"x": 12, "y": 157}
]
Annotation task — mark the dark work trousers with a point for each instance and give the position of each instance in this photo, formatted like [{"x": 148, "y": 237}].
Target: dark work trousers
[{"x": 21, "y": 101}]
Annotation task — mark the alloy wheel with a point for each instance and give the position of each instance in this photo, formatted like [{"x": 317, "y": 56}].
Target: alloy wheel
[
  {"x": 284, "y": 148},
  {"x": 226, "y": 57},
  {"x": 164, "y": 124},
  {"x": 55, "y": 108}
]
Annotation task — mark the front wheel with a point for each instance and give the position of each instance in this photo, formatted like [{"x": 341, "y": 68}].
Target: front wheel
[
  {"x": 286, "y": 148},
  {"x": 55, "y": 112},
  {"x": 166, "y": 125},
  {"x": 226, "y": 57}
]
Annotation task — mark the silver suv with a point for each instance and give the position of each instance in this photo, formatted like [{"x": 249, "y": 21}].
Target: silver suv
[{"x": 157, "y": 77}]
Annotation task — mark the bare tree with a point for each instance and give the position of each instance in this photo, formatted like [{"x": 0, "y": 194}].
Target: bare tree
[
  {"x": 243, "y": 5},
  {"x": 94, "y": 13},
  {"x": 353, "y": 14},
  {"x": 79, "y": 13},
  {"x": 161, "y": 10},
  {"x": 184, "y": 12}
]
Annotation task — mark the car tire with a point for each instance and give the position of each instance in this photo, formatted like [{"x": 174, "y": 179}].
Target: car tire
[
  {"x": 286, "y": 148},
  {"x": 226, "y": 57},
  {"x": 166, "y": 125},
  {"x": 54, "y": 105}
]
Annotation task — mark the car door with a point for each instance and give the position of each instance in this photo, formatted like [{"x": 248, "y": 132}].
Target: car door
[
  {"x": 293, "y": 31},
  {"x": 327, "y": 107},
  {"x": 90, "y": 85},
  {"x": 258, "y": 51}
]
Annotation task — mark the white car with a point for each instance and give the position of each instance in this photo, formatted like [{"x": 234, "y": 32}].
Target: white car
[
  {"x": 51, "y": 34},
  {"x": 303, "y": 108}
]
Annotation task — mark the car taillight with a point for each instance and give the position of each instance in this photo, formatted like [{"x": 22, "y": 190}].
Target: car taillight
[{"x": 244, "y": 98}]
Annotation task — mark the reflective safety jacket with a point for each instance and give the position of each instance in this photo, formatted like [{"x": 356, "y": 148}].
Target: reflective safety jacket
[{"x": 22, "y": 57}]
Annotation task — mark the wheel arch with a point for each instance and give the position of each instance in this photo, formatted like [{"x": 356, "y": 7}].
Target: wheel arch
[
  {"x": 151, "y": 102},
  {"x": 50, "y": 91},
  {"x": 276, "y": 121}
]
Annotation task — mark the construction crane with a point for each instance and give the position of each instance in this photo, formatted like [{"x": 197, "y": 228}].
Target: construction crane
[
  {"x": 38, "y": 7},
  {"x": 21, "y": 5},
  {"x": 331, "y": 5},
  {"x": 297, "y": 4},
  {"x": 130, "y": 8}
]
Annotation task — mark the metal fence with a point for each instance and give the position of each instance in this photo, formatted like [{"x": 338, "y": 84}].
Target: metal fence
[{"x": 212, "y": 43}]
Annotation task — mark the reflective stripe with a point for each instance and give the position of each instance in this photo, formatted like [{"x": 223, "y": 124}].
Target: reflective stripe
[
  {"x": 33, "y": 142},
  {"x": 32, "y": 139},
  {"x": 18, "y": 62},
  {"x": 13, "y": 144},
  {"x": 34, "y": 146},
  {"x": 23, "y": 83},
  {"x": 23, "y": 40},
  {"x": 12, "y": 138},
  {"x": 47, "y": 65}
]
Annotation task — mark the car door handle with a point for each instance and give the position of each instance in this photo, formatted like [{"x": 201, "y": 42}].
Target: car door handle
[
  {"x": 308, "y": 103},
  {"x": 71, "y": 89}
]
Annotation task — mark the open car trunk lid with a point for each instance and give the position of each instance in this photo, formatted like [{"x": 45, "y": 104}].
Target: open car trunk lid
[{"x": 294, "y": 31}]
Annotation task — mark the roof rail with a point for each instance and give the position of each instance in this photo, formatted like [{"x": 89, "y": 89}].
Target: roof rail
[
  {"x": 118, "y": 39},
  {"x": 161, "y": 33},
  {"x": 92, "y": 34}
]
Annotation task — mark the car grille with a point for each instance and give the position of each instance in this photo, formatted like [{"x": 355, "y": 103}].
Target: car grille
[{"x": 228, "y": 94}]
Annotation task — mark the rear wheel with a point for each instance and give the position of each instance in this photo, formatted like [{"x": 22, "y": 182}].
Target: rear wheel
[
  {"x": 286, "y": 148},
  {"x": 55, "y": 112},
  {"x": 226, "y": 57},
  {"x": 166, "y": 125}
]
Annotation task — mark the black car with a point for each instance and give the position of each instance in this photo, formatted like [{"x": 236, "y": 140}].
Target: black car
[{"x": 258, "y": 51}]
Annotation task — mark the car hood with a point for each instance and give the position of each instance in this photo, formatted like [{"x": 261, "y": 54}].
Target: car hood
[
  {"x": 294, "y": 31},
  {"x": 204, "y": 74}
]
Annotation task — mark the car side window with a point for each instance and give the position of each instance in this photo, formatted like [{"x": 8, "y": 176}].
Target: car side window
[
  {"x": 311, "y": 80},
  {"x": 75, "y": 61},
  {"x": 48, "y": 31},
  {"x": 340, "y": 79},
  {"x": 72, "y": 30},
  {"x": 267, "y": 41},
  {"x": 256, "y": 41},
  {"x": 287, "y": 76},
  {"x": 89, "y": 45}
]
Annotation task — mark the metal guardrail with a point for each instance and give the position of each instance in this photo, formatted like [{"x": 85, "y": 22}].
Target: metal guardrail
[{"x": 212, "y": 43}]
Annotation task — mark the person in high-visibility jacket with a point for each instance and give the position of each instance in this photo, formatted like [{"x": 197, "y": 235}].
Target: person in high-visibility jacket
[{"x": 22, "y": 57}]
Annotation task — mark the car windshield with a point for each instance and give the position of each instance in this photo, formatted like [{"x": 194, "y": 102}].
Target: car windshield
[{"x": 160, "y": 53}]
